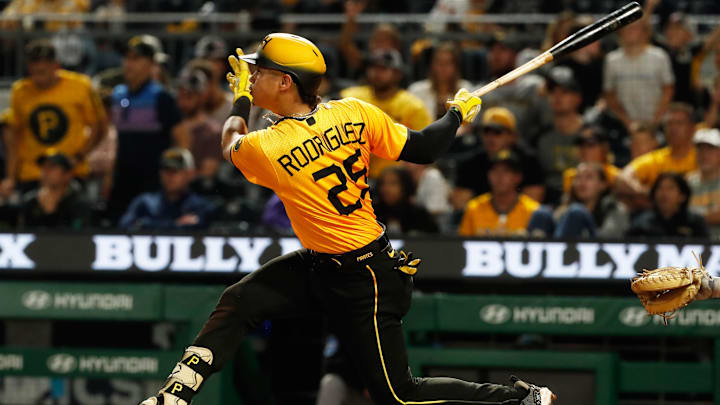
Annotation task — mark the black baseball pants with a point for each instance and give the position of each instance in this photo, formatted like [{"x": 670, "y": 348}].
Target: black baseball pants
[{"x": 364, "y": 297}]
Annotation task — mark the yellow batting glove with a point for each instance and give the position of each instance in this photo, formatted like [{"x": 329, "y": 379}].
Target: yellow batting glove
[
  {"x": 239, "y": 78},
  {"x": 405, "y": 261},
  {"x": 467, "y": 104}
]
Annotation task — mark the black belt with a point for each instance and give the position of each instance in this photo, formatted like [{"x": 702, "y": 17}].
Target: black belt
[{"x": 379, "y": 245}]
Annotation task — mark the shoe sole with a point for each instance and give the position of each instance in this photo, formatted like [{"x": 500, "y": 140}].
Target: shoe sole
[{"x": 546, "y": 396}]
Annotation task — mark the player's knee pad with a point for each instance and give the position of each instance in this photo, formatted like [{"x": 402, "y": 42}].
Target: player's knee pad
[{"x": 187, "y": 376}]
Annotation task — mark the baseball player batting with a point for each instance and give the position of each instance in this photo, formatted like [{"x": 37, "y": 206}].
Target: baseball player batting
[{"x": 315, "y": 157}]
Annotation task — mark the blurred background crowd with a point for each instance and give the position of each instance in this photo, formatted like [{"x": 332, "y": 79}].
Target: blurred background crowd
[{"x": 107, "y": 126}]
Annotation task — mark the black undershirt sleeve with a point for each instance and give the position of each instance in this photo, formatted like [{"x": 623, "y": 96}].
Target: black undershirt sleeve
[
  {"x": 428, "y": 144},
  {"x": 241, "y": 108}
]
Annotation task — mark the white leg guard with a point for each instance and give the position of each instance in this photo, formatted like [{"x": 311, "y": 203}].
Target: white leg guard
[{"x": 187, "y": 376}]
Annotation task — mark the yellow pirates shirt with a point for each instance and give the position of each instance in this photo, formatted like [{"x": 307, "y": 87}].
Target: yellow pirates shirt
[
  {"x": 480, "y": 217},
  {"x": 648, "y": 167},
  {"x": 57, "y": 117},
  {"x": 318, "y": 166}
]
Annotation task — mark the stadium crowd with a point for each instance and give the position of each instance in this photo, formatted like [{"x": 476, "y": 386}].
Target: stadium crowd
[{"x": 619, "y": 139}]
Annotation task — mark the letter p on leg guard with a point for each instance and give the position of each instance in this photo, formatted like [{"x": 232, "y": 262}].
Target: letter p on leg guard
[{"x": 186, "y": 378}]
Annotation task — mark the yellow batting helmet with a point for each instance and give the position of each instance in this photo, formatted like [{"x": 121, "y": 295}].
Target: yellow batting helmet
[{"x": 291, "y": 54}]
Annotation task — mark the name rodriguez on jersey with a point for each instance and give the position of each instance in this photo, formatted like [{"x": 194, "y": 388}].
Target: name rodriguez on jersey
[{"x": 311, "y": 149}]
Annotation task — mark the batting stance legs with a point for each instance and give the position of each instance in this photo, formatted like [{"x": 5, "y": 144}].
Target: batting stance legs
[{"x": 365, "y": 296}]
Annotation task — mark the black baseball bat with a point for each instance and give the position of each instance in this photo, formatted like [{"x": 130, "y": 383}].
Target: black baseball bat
[{"x": 610, "y": 23}]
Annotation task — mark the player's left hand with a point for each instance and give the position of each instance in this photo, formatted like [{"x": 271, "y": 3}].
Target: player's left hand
[
  {"x": 467, "y": 104},
  {"x": 405, "y": 261},
  {"x": 239, "y": 78}
]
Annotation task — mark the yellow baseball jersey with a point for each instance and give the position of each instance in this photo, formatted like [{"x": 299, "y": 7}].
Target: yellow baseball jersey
[
  {"x": 646, "y": 168},
  {"x": 611, "y": 171},
  {"x": 318, "y": 166},
  {"x": 57, "y": 117},
  {"x": 403, "y": 107},
  {"x": 480, "y": 217}
]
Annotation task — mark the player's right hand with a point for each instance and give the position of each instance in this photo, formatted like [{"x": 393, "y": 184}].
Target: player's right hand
[
  {"x": 239, "y": 78},
  {"x": 466, "y": 104}
]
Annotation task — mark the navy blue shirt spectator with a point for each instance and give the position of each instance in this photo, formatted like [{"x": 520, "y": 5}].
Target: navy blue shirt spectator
[
  {"x": 175, "y": 207},
  {"x": 144, "y": 114}
]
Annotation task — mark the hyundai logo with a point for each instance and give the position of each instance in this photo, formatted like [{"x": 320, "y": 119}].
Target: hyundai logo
[
  {"x": 36, "y": 300},
  {"x": 495, "y": 314},
  {"x": 61, "y": 363}
]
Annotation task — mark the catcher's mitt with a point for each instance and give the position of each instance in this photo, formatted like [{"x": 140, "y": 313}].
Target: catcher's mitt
[{"x": 665, "y": 290}]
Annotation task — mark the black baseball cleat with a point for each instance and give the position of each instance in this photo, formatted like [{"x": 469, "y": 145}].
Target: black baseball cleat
[{"x": 536, "y": 395}]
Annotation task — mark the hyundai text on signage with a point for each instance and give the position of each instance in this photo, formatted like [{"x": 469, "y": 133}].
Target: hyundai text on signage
[
  {"x": 65, "y": 363},
  {"x": 499, "y": 313},
  {"x": 24, "y": 299},
  {"x": 563, "y": 315},
  {"x": 442, "y": 257},
  {"x": 39, "y": 300}
]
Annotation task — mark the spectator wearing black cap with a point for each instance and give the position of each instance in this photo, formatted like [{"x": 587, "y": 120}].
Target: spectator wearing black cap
[
  {"x": 498, "y": 132},
  {"x": 383, "y": 90},
  {"x": 175, "y": 207},
  {"x": 197, "y": 131},
  {"x": 705, "y": 181},
  {"x": 593, "y": 147},
  {"x": 522, "y": 96},
  {"x": 59, "y": 201},
  {"x": 144, "y": 113},
  {"x": 503, "y": 210},
  {"x": 384, "y": 37},
  {"x": 587, "y": 65},
  {"x": 555, "y": 147},
  {"x": 52, "y": 108},
  {"x": 669, "y": 216},
  {"x": 213, "y": 51}
]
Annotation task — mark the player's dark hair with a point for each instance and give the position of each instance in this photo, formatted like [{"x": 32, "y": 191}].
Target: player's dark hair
[
  {"x": 681, "y": 184},
  {"x": 308, "y": 92}
]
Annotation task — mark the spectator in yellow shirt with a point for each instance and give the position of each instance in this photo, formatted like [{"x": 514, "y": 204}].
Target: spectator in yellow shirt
[
  {"x": 52, "y": 108},
  {"x": 504, "y": 210},
  {"x": 678, "y": 156},
  {"x": 383, "y": 90}
]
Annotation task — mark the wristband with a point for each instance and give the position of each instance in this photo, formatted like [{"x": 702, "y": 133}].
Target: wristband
[
  {"x": 241, "y": 108},
  {"x": 457, "y": 114}
]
